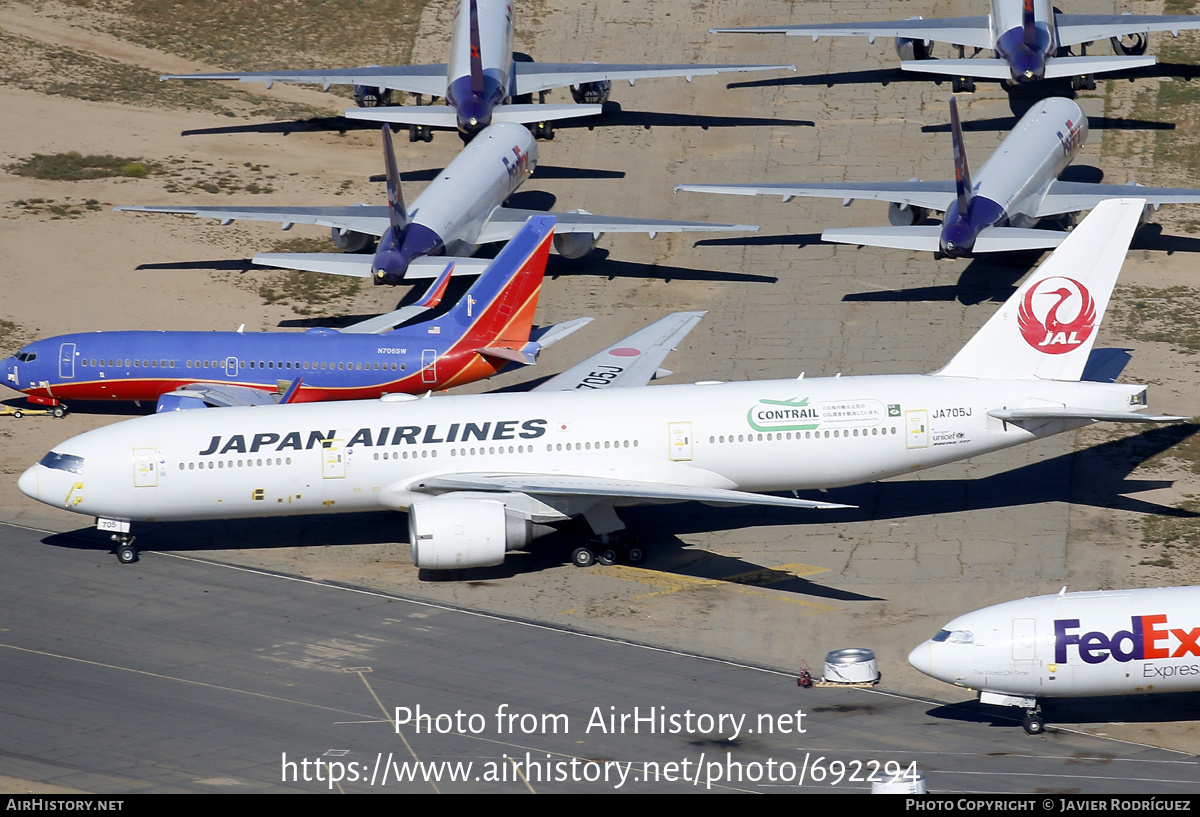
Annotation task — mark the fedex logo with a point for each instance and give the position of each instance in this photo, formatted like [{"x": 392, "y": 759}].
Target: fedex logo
[
  {"x": 1147, "y": 637},
  {"x": 519, "y": 165}
]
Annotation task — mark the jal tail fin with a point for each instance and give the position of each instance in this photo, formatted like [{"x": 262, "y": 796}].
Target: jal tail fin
[
  {"x": 397, "y": 211},
  {"x": 962, "y": 169},
  {"x": 1028, "y": 24},
  {"x": 1046, "y": 330},
  {"x": 501, "y": 303},
  {"x": 476, "y": 56}
]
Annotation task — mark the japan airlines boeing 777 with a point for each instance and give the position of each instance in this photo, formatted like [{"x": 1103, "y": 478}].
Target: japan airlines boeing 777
[
  {"x": 997, "y": 210},
  {"x": 490, "y": 329},
  {"x": 1030, "y": 40},
  {"x": 460, "y": 210},
  {"x": 1116, "y": 642},
  {"x": 482, "y": 83},
  {"x": 475, "y": 472}
]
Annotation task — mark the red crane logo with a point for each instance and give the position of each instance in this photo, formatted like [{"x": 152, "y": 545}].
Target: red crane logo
[{"x": 1043, "y": 315}]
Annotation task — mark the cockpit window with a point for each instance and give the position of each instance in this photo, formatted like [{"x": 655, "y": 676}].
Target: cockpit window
[
  {"x": 63, "y": 462},
  {"x": 955, "y": 636},
  {"x": 25, "y": 357}
]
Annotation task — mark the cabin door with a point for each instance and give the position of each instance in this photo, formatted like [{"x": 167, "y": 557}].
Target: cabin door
[
  {"x": 429, "y": 366},
  {"x": 66, "y": 361}
]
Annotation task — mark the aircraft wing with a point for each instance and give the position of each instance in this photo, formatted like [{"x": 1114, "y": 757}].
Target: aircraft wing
[
  {"x": 1071, "y": 197},
  {"x": 929, "y": 195},
  {"x": 372, "y": 220},
  {"x": 1082, "y": 28},
  {"x": 631, "y": 361},
  {"x": 970, "y": 31},
  {"x": 223, "y": 395},
  {"x": 531, "y": 77},
  {"x": 506, "y": 222},
  {"x": 607, "y": 487},
  {"x": 927, "y": 238},
  {"x": 416, "y": 79}
]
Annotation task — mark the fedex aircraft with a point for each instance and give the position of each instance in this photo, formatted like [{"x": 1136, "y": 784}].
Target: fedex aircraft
[
  {"x": 460, "y": 210},
  {"x": 1031, "y": 41},
  {"x": 488, "y": 330},
  {"x": 994, "y": 211},
  {"x": 1116, "y": 642},
  {"x": 475, "y": 472},
  {"x": 483, "y": 83}
]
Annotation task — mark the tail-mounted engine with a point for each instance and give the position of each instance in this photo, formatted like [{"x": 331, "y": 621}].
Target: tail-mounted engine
[
  {"x": 575, "y": 245},
  {"x": 368, "y": 96},
  {"x": 591, "y": 93},
  {"x": 456, "y": 532},
  {"x": 1131, "y": 45}
]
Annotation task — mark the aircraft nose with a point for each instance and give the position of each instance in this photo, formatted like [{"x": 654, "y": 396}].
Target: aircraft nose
[
  {"x": 921, "y": 658},
  {"x": 29, "y": 482}
]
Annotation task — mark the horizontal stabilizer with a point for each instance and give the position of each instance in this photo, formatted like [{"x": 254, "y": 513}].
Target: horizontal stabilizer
[
  {"x": 979, "y": 68},
  {"x": 919, "y": 238},
  {"x": 631, "y": 361},
  {"x": 505, "y": 222},
  {"x": 525, "y": 354},
  {"x": 1060, "y": 67},
  {"x": 1015, "y": 239},
  {"x": 608, "y": 487},
  {"x": 549, "y": 335},
  {"x": 385, "y": 323},
  {"x": 333, "y": 263},
  {"x": 431, "y": 266},
  {"x": 1068, "y": 413},
  {"x": 441, "y": 116}
]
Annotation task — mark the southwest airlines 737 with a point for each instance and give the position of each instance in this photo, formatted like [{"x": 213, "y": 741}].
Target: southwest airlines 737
[
  {"x": 483, "y": 83},
  {"x": 460, "y": 210},
  {"x": 475, "y": 472},
  {"x": 994, "y": 211},
  {"x": 488, "y": 330},
  {"x": 1115, "y": 642},
  {"x": 1029, "y": 38}
]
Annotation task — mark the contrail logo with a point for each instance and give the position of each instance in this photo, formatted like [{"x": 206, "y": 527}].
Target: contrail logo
[{"x": 1057, "y": 315}]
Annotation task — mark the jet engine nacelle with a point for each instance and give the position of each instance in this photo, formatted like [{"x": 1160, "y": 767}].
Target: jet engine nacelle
[
  {"x": 591, "y": 93},
  {"x": 575, "y": 245},
  {"x": 1131, "y": 45},
  {"x": 368, "y": 96},
  {"x": 909, "y": 49},
  {"x": 456, "y": 532},
  {"x": 904, "y": 215},
  {"x": 351, "y": 241}
]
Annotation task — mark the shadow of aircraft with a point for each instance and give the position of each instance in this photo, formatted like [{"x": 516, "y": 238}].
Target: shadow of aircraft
[
  {"x": 792, "y": 240},
  {"x": 599, "y": 263},
  {"x": 1167, "y": 707},
  {"x": 1007, "y": 123}
]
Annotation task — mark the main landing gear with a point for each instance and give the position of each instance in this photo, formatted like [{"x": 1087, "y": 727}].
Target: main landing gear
[
  {"x": 127, "y": 553},
  {"x": 609, "y": 549}
]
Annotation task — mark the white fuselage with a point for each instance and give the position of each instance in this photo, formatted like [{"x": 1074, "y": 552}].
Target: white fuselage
[
  {"x": 368, "y": 455},
  {"x": 1095, "y": 643},
  {"x": 1019, "y": 174},
  {"x": 457, "y": 204}
]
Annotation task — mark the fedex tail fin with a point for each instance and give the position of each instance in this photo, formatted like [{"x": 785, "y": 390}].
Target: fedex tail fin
[
  {"x": 1028, "y": 24},
  {"x": 476, "y": 57},
  {"x": 1046, "y": 330},
  {"x": 499, "y": 306},
  {"x": 397, "y": 211},
  {"x": 962, "y": 170}
]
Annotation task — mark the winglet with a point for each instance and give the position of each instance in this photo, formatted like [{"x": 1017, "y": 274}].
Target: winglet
[
  {"x": 1047, "y": 329},
  {"x": 437, "y": 289},
  {"x": 962, "y": 169},
  {"x": 293, "y": 390},
  {"x": 476, "y": 55},
  {"x": 397, "y": 211}
]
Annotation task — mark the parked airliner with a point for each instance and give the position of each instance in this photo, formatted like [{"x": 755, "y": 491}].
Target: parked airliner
[
  {"x": 475, "y": 472},
  {"x": 1115, "y": 642},
  {"x": 460, "y": 210},
  {"x": 1030, "y": 39},
  {"x": 994, "y": 211},
  {"x": 489, "y": 329},
  {"x": 483, "y": 83}
]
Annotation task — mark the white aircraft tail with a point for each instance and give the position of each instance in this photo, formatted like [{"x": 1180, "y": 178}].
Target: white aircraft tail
[{"x": 1046, "y": 330}]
